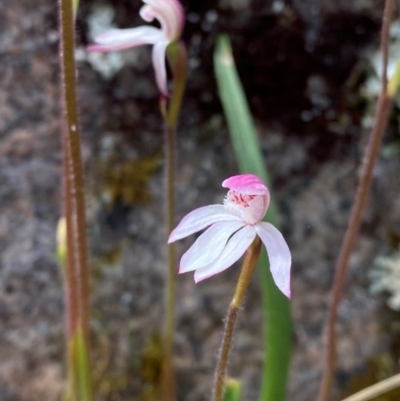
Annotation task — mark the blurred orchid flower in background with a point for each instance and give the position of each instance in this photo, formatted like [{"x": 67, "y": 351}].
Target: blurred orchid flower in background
[
  {"x": 171, "y": 16},
  {"x": 234, "y": 226}
]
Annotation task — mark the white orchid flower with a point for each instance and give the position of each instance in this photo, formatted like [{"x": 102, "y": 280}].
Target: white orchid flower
[{"x": 171, "y": 17}]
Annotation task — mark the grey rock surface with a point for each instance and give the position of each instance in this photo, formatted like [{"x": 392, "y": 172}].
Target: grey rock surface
[{"x": 311, "y": 138}]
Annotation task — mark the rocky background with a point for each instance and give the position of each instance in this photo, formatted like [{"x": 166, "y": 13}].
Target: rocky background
[{"x": 305, "y": 65}]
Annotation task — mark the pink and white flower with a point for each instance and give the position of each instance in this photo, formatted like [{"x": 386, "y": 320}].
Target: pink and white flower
[
  {"x": 233, "y": 227},
  {"x": 171, "y": 17}
]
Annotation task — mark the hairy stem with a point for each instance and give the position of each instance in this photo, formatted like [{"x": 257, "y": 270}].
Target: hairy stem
[
  {"x": 249, "y": 264},
  {"x": 370, "y": 156},
  {"x": 178, "y": 60},
  {"x": 77, "y": 275}
]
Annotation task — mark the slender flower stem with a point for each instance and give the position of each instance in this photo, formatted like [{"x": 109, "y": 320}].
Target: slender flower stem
[
  {"x": 77, "y": 287},
  {"x": 74, "y": 187},
  {"x": 370, "y": 156},
  {"x": 249, "y": 264},
  {"x": 168, "y": 378},
  {"x": 178, "y": 61}
]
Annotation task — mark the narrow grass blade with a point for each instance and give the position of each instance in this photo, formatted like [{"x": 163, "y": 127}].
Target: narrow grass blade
[{"x": 277, "y": 321}]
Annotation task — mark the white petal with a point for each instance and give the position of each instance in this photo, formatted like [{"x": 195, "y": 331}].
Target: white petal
[
  {"x": 208, "y": 246},
  {"x": 199, "y": 219},
  {"x": 160, "y": 67},
  {"x": 120, "y": 39},
  {"x": 279, "y": 255},
  {"x": 233, "y": 250}
]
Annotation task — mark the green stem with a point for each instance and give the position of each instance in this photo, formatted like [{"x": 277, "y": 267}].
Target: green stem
[
  {"x": 177, "y": 56},
  {"x": 178, "y": 61},
  {"x": 249, "y": 264},
  {"x": 370, "y": 156},
  {"x": 77, "y": 286},
  {"x": 168, "y": 378}
]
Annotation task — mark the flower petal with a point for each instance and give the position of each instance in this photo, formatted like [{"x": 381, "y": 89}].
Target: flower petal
[
  {"x": 233, "y": 250},
  {"x": 246, "y": 184},
  {"x": 159, "y": 66},
  {"x": 120, "y": 39},
  {"x": 199, "y": 219},
  {"x": 279, "y": 255},
  {"x": 169, "y": 13},
  {"x": 208, "y": 246}
]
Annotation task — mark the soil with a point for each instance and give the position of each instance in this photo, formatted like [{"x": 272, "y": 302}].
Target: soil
[{"x": 299, "y": 62}]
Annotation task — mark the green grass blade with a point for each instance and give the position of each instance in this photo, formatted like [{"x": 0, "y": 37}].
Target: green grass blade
[{"x": 277, "y": 321}]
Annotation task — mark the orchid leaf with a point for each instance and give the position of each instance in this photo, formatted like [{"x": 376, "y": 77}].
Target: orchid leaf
[
  {"x": 277, "y": 321},
  {"x": 81, "y": 375},
  {"x": 394, "y": 81},
  {"x": 75, "y": 5},
  {"x": 61, "y": 237},
  {"x": 232, "y": 390}
]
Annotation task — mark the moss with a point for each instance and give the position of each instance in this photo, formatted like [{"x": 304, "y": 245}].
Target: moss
[
  {"x": 140, "y": 375},
  {"x": 105, "y": 261},
  {"x": 379, "y": 368},
  {"x": 150, "y": 370},
  {"x": 126, "y": 180}
]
